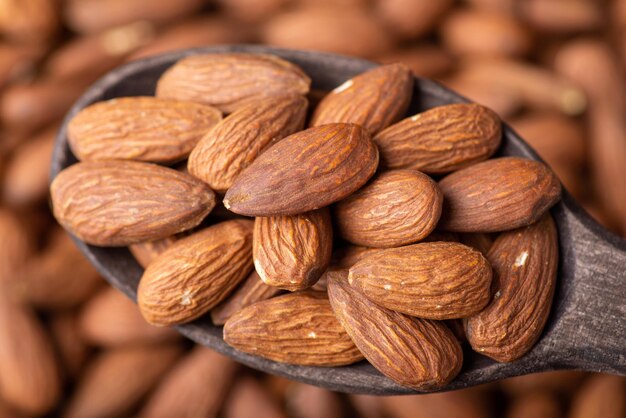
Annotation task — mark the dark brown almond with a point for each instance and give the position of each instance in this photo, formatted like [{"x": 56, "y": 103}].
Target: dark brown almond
[
  {"x": 297, "y": 328},
  {"x": 524, "y": 263},
  {"x": 230, "y": 81},
  {"x": 196, "y": 273},
  {"x": 305, "y": 171},
  {"x": 442, "y": 139},
  {"x": 417, "y": 353},
  {"x": 252, "y": 290},
  {"x": 140, "y": 128},
  {"x": 145, "y": 252},
  {"x": 433, "y": 280},
  {"x": 396, "y": 208},
  {"x": 498, "y": 195},
  {"x": 375, "y": 99},
  {"x": 292, "y": 252},
  {"x": 116, "y": 203},
  {"x": 230, "y": 147}
]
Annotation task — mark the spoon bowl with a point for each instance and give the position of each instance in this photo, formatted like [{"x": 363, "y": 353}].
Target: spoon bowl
[{"x": 586, "y": 329}]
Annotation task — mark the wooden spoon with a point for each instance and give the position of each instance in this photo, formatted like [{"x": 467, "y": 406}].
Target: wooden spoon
[{"x": 586, "y": 329}]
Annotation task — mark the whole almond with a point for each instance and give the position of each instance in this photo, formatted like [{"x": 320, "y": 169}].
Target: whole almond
[
  {"x": 524, "y": 263},
  {"x": 115, "y": 203},
  {"x": 145, "y": 252},
  {"x": 374, "y": 99},
  {"x": 442, "y": 139},
  {"x": 196, "y": 273},
  {"x": 498, "y": 195},
  {"x": 252, "y": 290},
  {"x": 230, "y": 147},
  {"x": 601, "y": 396},
  {"x": 292, "y": 252},
  {"x": 410, "y": 19},
  {"x": 72, "y": 350},
  {"x": 298, "y": 328},
  {"x": 396, "y": 208},
  {"x": 417, "y": 353},
  {"x": 433, "y": 280},
  {"x": 230, "y": 81},
  {"x": 305, "y": 171},
  {"x": 249, "y": 398},
  {"x": 140, "y": 128},
  {"x": 16, "y": 247}
]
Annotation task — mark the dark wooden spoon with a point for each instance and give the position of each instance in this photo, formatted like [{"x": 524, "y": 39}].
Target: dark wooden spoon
[{"x": 587, "y": 326}]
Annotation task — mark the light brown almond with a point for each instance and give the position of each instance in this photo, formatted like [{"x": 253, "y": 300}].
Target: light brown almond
[{"x": 145, "y": 252}]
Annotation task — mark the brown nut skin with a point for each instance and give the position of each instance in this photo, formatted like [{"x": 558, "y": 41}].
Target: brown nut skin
[
  {"x": 374, "y": 99},
  {"x": 292, "y": 252},
  {"x": 417, "y": 353},
  {"x": 396, "y": 208},
  {"x": 117, "y": 203},
  {"x": 442, "y": 139},
  {"x": 230, "y": 81},
  {"x": 525, "y": 263},
  {"x": 297, "y": 328},
  {"x": 196, "y": 273},
  {"x": 432, "y": 280},
  {"x": 305, "y": 171},
  {"x": 498, "y": 195},
  {"x": 140, "y": 128},
  {"x": 233, "y": 144}
]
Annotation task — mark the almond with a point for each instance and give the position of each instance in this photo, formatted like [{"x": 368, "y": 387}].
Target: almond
[
  {"x": 305, "y": 171},
  {"x": 374, "y": 99},
  {"x": 442, "y": 139},
  {"x": 433, "y": 280},
  {"x": 230, "y": 81},
  {"x": 196, "y": 273},
  {"x": 292, "y": 252},
  {"x": 298, "y": 328},
  {"x": 15, "y": 247},
  {"x": 498, "y": 195},
  {"x": 417, "y": 353},
  {"x": 524, "y": 263},
  {"x": 396, "y": 208},
  {"x": 72, "y": 351},
  {"x": 115, "y": 203},
  {"x": 145, "y": 252},
  {"x": 140, "y": 128},
  {"x": 252, "y": 290},
  {"x": 234, "y": 143}
]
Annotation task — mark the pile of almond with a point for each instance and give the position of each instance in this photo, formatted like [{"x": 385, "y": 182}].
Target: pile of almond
[{"x": 374, "y": 232}]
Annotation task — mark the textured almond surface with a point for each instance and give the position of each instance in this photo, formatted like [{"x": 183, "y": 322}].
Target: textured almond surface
[
  {"x": 524, "y": 263},
  {"x": 305, "y": 171},
  {"x": 251, "y": 290},
  {"x": 115, "y": 203},
  {"x": 230, "y": 81},
  {"x": 498, "y": 195},
  {"x": 292, "y": 252},
  {"x": 145, "y": 252},
  {"x": 417, "y": 353},
  {"x": 234, "y": 143},
  {"x": 435, "y": 280},
  {"x": 298, "y": 328},
  {"x": 396, "y": 208},
  {"x": 140, "y": 128},
  {"x": 442, "y": 139},
  {"x": 374, "y": 99},
  {"x": 196, "y": 273}
]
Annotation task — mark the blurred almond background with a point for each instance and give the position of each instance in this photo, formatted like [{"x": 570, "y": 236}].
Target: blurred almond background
[{"x": 71, "y": 346}]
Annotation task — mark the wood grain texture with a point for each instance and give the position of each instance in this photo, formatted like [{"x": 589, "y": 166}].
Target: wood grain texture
[
  {"x": 434, "y": 280},
  {"x": 292, "y": 252},
  {"x": 525, "y": 263},
  {"x": 305, "y": 171},
  {"x": 297, "y": 328},
  {"x": 374, "y": 99},
  {"x": 117, "y": 203},
  {"x": 140, "y": 128},
  {"x": 233, "y": 144},
  {"x": 442, "y": 139},
  {"x": 230, "y": 81},
  {"x": 396, "y": 208},
  {"x": 252, "y": 290},
  {"x": 417, "y": 353},
  {"x": 498, "y": 195},
  {"x": 196, "y": 273}
]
